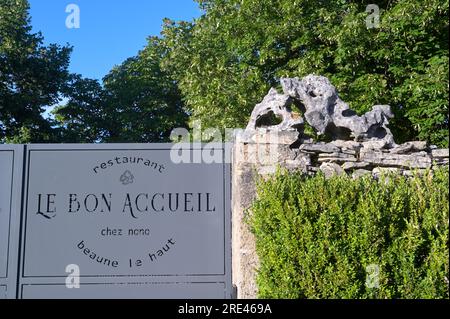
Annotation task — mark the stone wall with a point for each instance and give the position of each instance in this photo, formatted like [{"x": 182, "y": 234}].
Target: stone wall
[
  {"x": 358, "y": 159},
  {"x": 360, "y": 145},
  {"x": 268, "y": 150}
]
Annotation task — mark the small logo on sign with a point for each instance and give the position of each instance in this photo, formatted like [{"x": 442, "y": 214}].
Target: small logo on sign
[{"x": 127, "y": 178}]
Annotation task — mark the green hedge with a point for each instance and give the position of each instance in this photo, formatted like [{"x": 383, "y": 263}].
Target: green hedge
[{"x": 316, "y": 238}]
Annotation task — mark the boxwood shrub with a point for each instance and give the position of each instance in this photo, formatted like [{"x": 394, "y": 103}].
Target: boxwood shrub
[{"x": 344, "y": 238}]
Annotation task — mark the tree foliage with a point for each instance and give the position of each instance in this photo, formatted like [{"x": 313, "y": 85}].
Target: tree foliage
[
  {"x": 31, "y": 76},
  {"x": 217, "y": 67},
  {"x": 138, "y": 102},
  {"x": 227, "y": 59}
]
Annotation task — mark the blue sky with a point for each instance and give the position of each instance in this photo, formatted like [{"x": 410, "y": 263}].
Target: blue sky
[{"x": 110, "y": 30}]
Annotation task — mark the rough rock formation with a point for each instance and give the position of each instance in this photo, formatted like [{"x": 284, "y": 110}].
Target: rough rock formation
[
  {"x": 324, "y": 111},
  {"x": 273, "y": 107},
  {"x": 361, "y": 144},
  {"x": 327, "y": 113}
]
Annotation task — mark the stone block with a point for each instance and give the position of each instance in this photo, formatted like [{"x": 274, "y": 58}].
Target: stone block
[{"x": 414, "y": 160}]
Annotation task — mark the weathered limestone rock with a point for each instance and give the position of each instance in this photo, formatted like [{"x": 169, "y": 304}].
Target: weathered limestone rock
[
  {"x": 351, "y": 145},
  {"x": 414, "y": 160},
  {"x": 327, "y": 113},
  {"x": 355, "y": 165},
  {"x": 375, "y": 145},
  {"x": 286, "y": 153},
  {"x": 440, "y": 153},
  {"x": 245, "y": 261},
  {"x": 349, "y": 152},
  {"x": 440, "y": 157},
  {"x": 336, "y": 157},
  {"x": 300, "y": 163},
  {"x": 319, "y": 148},
  {"x": 264, "y": 152},
  {"x": 268, "y": 136},
  {"x": 331, "y": 169},
  {"x": 408, "y": 147},
  {"x": 274, "y": 106}
]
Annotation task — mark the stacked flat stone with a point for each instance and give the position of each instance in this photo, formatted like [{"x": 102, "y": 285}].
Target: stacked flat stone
[
  {"x": 339, "y": 157},
  {"x": 361, "y": 145}
]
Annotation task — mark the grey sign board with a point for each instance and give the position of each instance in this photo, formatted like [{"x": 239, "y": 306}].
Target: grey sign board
[
  {"x": 11, "y": 159},
  {"x": 125, "y": 221},
  {"x": 128, "y": 291}
]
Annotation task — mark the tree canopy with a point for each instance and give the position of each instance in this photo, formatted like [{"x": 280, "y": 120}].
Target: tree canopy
[
  {"x": 217, "y": 67},
  {"x": 31, "y": 76},
  {"x": 138, "y": 102},
  {"x": 227, "y": 60}
]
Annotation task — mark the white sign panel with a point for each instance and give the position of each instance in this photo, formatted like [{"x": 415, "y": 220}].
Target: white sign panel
[{"x": 124, "y": 221}]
